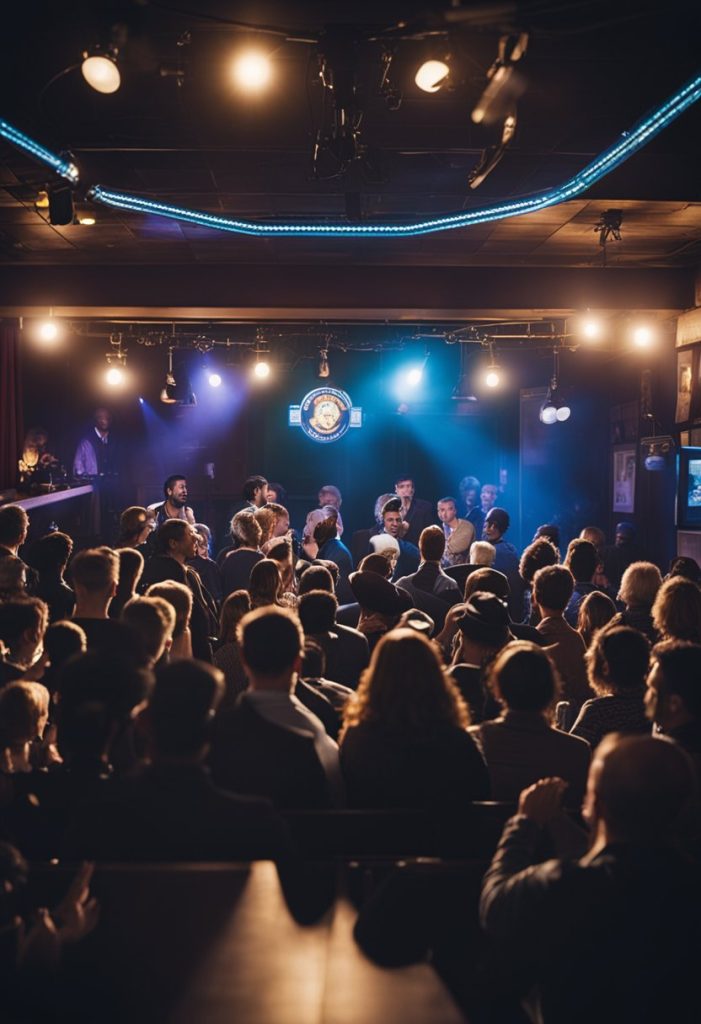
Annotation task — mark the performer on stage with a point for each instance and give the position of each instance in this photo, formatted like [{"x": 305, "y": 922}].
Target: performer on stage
[{"x": 175, "y": 505}]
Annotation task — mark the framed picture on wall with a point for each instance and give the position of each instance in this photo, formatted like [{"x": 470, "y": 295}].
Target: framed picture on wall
[
  {"x": 684, "y": 381},
  {"x": 624, "y": 463}
]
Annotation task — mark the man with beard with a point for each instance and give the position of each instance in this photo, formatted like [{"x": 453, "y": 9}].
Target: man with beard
[{"x": 175, "y": 505}]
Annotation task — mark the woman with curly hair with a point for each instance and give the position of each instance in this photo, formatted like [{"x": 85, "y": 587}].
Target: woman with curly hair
[
  {"x": 676, "y": 613},
  {"x": 404, "y": 741}
]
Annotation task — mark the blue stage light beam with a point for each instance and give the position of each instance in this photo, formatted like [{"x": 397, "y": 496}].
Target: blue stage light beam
[
  {"x": 629, "y": 143},
  {"x": 57, "y": 162}
]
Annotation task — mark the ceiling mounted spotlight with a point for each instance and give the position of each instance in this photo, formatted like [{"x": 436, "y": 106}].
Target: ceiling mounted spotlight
[
  {"x": 324, "y": 370},
  {"x": 432, "y": 75},
  {"x": 554, "y": 409},
  {"x": 591, "y": 328},
  {"x": 49, "y": 330},
  {"x": 642, "y": 335},
  {"x": 252, "y": 71},
  {"x": 100, "y": 71},
  {"x": 214, "y": 380},
  {"x": 115, "y": 374},
  {"x": 261, "y": 366},
  {"x": 177, "y": 392},
  {"x": 492, "y": 375}
]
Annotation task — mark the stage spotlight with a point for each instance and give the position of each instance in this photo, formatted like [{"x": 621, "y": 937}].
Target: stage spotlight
[
  {"x": 114, "y": 376},
  {"x": 141, "y": 401},
  {"x": 100, "y": 71},
  {"x": 261, "y": 369},
  {"x": 252, "y": 71},
  {"x": 563, "y": 412},
  {"x": 643, "y": 336},
  {"x": 414, "y": 376},
  {"x": 548, "y": 412},
  {"x": 432, "y": 75},
  {"x": 591, "y": 328},
  {"x": 214, "y": 380},
  {"x": 554, "y": 409},
  {"x": 48, "y": 331},
  {"x": 492, "y": 377}
]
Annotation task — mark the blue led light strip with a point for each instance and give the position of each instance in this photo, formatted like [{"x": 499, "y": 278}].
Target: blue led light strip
[{"x": 57, "y": 163}]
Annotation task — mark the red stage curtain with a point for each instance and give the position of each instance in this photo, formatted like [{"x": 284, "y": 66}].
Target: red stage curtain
[{"x": 11, "y": 425}]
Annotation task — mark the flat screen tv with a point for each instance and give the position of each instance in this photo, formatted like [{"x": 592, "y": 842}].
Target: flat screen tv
[{"x": 689, "y": 489}]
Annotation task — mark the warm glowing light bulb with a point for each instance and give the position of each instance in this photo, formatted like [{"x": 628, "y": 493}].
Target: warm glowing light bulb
[
  {"x": 432, "y": 75},
  {"x": 642, "y": 336},
  {"x": 492, "y": 378},
  {"x": 101, "y": 73},
  {"x": 252, "y": 71},
  {"x": 591, "y": 329},
  {"x": 414, "y": 376},
  {"x": 86, "y": 221},
  {"x": 114, "y": 376},
  {"x": 48, "y": 331},
  {"x": 214, "y": 380},
  {"x": 262, "y": 369}
]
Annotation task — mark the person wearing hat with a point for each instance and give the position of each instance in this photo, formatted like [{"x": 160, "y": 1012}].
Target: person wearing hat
[
  {"x": 381, "y": 603},
  {"x": 506, "y": 560},
  {"x": 483, "y": 632}
]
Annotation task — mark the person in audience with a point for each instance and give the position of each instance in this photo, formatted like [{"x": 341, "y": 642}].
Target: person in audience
[
  {"x": 265, "y": 584},
  {"x": 552, "y": 590},
  {"x": 350, "y": 641},
  {"x": 206, "y": 568},
  {"x": 237, "y": 565},
  {"x": 330, "y": 495},
  {"x": 179, "y": 597},
  {"x": 62, "y": 640},
  {"x": 673, "y": 695},
  {"x": 482, "y": 553},
  {"x": 597, "y": 537},
  {"x": 404, "y": 740},
  {"x": 265, "y": 517},
  {"x": 332, "y": 549},
  {"x": 582, "y": 561},
  {"x": 596, "y": 610},
  {"x": 269, "y": 744},
  {"x": 50, "y": 556},
  {"x": 676, "y": 612},
  {"x": 136, "y": 526},
  {"x": 171, "y": 811},
  {"x": 131, "y": 568},
  {"x": 506, "y": 560},
  {"x": 153, "y": 620},
  {"x": 624, "y": 553},
  {"x": 281, "y": 523},
  {"x": 313, "y": 672},
  {"x": 176, "y": 542},
  {"x": 13, "y": 578},
  {"x": 551, "y": 532},
  {"x": 24, "y": 714},
  {"x": 686, "y": 567},
  {"x": 431, "y": 589},
  {"x": 521, "y": 745},
  {"x": 492, "y": 582},
  {"x": 416, "y": 513},
  {"x": 14, "y": 526},
  {"x": 469, "y": 489},
  {"x": 95, "y": 574},
  {"x": 391, "y": 535},
  {"x": 360, "y": 542},
  {"x": 346, "y": 650},
  {"x": 281, "y": 552},
  {"x": 483, "y": 630},
  {"x": 22, "y": 627},
  {"x": 276, "y": 493},
  {"x": 227, "y": 657},
  {"x": 577, "y": 935},
  {"x": 459, "y": 533},
  {"x": 537, "y": 555},
  {"x": 617, "y": 667},
  {"x": 175, "y": 505},
  {"x": 638, "y": 590},
  {"x": 381, "y": 602}
]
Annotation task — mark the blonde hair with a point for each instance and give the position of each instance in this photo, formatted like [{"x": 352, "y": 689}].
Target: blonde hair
[
  {"x": 22, "y": 706},
  {"x": 639, "y": 585},
  {"x": 676, "y": 613},
  {"x": 179, "y": 597},
  {"x": 482, "y": 553}
]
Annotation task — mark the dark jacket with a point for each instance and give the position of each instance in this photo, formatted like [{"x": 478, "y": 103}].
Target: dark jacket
[
  {"x": 202, "y": 624},
  {"x": 419, "y": 515}
]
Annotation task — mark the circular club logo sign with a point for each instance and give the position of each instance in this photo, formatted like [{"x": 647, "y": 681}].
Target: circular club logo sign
[{"x": 325, "y": 414}]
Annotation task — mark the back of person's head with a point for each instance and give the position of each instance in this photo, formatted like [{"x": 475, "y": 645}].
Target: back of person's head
[
  {"x": 52, "y": 551},
  {"x": 179, "y": 597},
  {"x": 551, "y": 532},
  {"x": 641, "y": 786},
  {"x": 595, "y": 611},
  {"x": 205, "y": 534},
  {"x": 639, "y": 585},
  {"x": 170, "y": 483},
  {"x": 432, "y": 544},
  {"x": 618, "y": 661},
  {"x": 13, "y": 577},
  {"x": 131, "y": 522},
  {"x": 115, "y": 680},
  {"x": 595, "y": 536},
  {"x": 232, "y": 611},
  {"x": 317, "y": 611},
  {"x": 276, "y": 488},
  {"x": 522, "y": 678},
  {"x": 679, "y": 663},
  {"x": 153, "y": 620},
  {"x": 482, "y": 553},
  {"x": 24, "y": 710},
  {"x": 265, "y": 583},
  {"x": 265, "y": 517},
  {"x": 314, "y": 661},
  {"x": 582, "y": 560},
  {"x": 182, "y": 707},
  {"x": 246, "y": 529},
  {"x": 331, "y": 566},
  {"x": 251, "y": 485},
  {"x": 406, "y": 690},
  {"x": 380, "y": 562},
  {"x": 17, "y": 617},
  {"x": 271, "y": 640},
  {"x": 316, "y": 577},
  {"x": 676, "y": 612},
  {"x": 552, "y": 587},
  {"x": 13, "y": 524},
  {"x": 131, "y": 566},
  {"x": 499, "y": 518},
  {"x": 536, "y": 556},
  {"x": 95, "y": 570},
  {"x": 280, "y": 550},
  {"x": 489, "y": 581},
  {"x": 684, "y": 566},
  {"x": 62, "y": 640},
  {"x": 84, "y": 730},
  {"x": 172, "y": 531}
]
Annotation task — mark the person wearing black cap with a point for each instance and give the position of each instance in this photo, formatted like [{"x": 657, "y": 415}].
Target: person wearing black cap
[
  {"x": 496, "y": 524},
  {"x": 484, "y": 631},
  {"x": 381, "y": 604}
]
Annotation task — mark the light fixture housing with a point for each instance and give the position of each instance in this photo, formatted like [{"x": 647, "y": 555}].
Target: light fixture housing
[{"x": 100, "y": 70}]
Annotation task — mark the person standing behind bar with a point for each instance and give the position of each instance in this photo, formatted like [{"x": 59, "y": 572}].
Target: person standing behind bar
[{"x": 96, "y": 458}]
